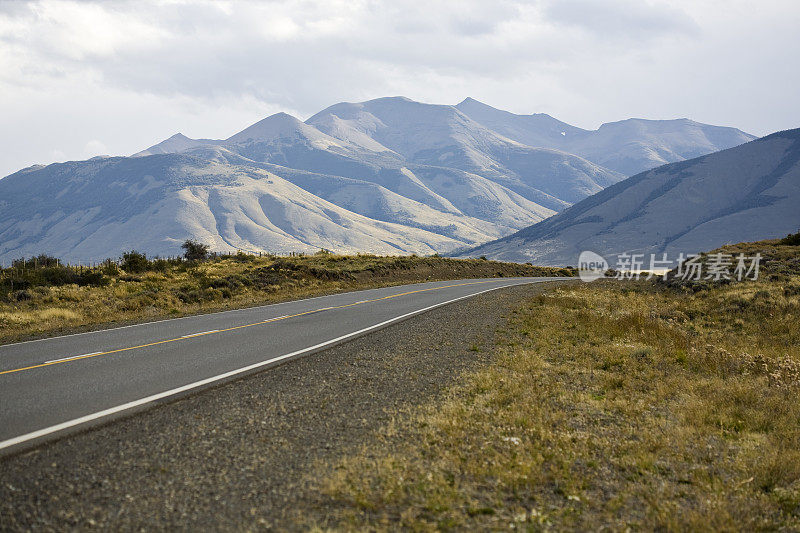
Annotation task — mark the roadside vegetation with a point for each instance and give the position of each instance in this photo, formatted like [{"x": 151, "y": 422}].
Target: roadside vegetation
[
  {"x": 616, "y": 404},
  {"x": 41, "y": 295}
]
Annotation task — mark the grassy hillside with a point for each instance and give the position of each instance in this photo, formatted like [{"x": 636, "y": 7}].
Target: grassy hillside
[
  {"x": 41, "y": 296},
  {"x": 614, "y": 404}
]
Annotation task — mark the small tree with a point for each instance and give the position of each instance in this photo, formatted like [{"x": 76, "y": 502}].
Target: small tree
[
  {"x": 194, "y": 251},
  {"x": 134, "y": 261}
]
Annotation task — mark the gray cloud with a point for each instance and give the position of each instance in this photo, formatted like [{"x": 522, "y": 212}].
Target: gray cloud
[{"x": 628, "y": 19}]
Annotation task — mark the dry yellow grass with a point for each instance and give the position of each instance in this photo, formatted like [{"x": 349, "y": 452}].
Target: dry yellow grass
[
  {"x": 611, "y": 405},
  {"x": 223, "y": 283},
  {"x": 42, "y": 316}
]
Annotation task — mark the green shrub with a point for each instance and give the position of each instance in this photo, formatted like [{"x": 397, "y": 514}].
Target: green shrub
[
  {"x": 110, "y": 268},
  {"x": 793, "y": 239},
  {"x": 135, "y": 262},
  {"x": 791, "y": 290},
  {"x": 242, "y": 257},
  {"x": 194, "y": 251},
  {"x": 94, "y": 278},
  {"x": 21, "y": 296},
  {"x": 159, "y": 265},
  {"x": 40, "y": 261},
  {"x": 16, "y": 281}
]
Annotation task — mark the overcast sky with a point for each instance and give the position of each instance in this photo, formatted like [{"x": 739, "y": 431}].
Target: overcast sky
[{"x": 78, "y": 79}]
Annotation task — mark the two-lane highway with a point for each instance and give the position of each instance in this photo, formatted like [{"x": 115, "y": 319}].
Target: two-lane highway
[{"x": 52, "y": 385}]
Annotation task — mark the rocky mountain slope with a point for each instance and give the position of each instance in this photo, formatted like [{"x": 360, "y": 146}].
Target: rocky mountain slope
[
  {"x": 388, "y": 176},
  {"x": 746, "y": 193},
  {"x": 628, "y": 146}
]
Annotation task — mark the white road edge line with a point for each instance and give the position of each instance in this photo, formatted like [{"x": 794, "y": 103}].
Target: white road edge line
[
  {"x": 73, "y": 357},
  {"x": 201, "y": 333},
  {"x": 142, "y": 401}
]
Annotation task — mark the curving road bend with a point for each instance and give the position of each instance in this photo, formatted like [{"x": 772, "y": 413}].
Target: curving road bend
[{"x": 54, "y": 385}]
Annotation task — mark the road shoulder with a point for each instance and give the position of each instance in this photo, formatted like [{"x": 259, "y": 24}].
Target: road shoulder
[{"x": 238, "y": 455}]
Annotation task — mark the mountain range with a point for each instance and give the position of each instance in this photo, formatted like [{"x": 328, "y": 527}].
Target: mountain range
[
  {"x": 747, "y": 193},
  {"x": 628, "y": 146},
  {"x": 389, "y": 175}
]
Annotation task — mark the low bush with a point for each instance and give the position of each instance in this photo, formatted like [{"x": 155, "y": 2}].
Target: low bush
[
  {"x": 134, "y": 262},
  {"x": 40, "y": 261},
  {"x": 793, "y": 239},
  {"x": 14, "y": 279}
]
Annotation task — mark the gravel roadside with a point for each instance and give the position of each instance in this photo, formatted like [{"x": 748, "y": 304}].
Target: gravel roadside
[{"x": 236, "y": 457}]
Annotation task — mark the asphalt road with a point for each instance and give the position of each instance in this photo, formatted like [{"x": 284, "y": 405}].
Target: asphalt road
[{"x": 55, "y": 385}]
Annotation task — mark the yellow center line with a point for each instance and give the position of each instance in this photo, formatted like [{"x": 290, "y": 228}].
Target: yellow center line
[{"x": 187, "y": 337}]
